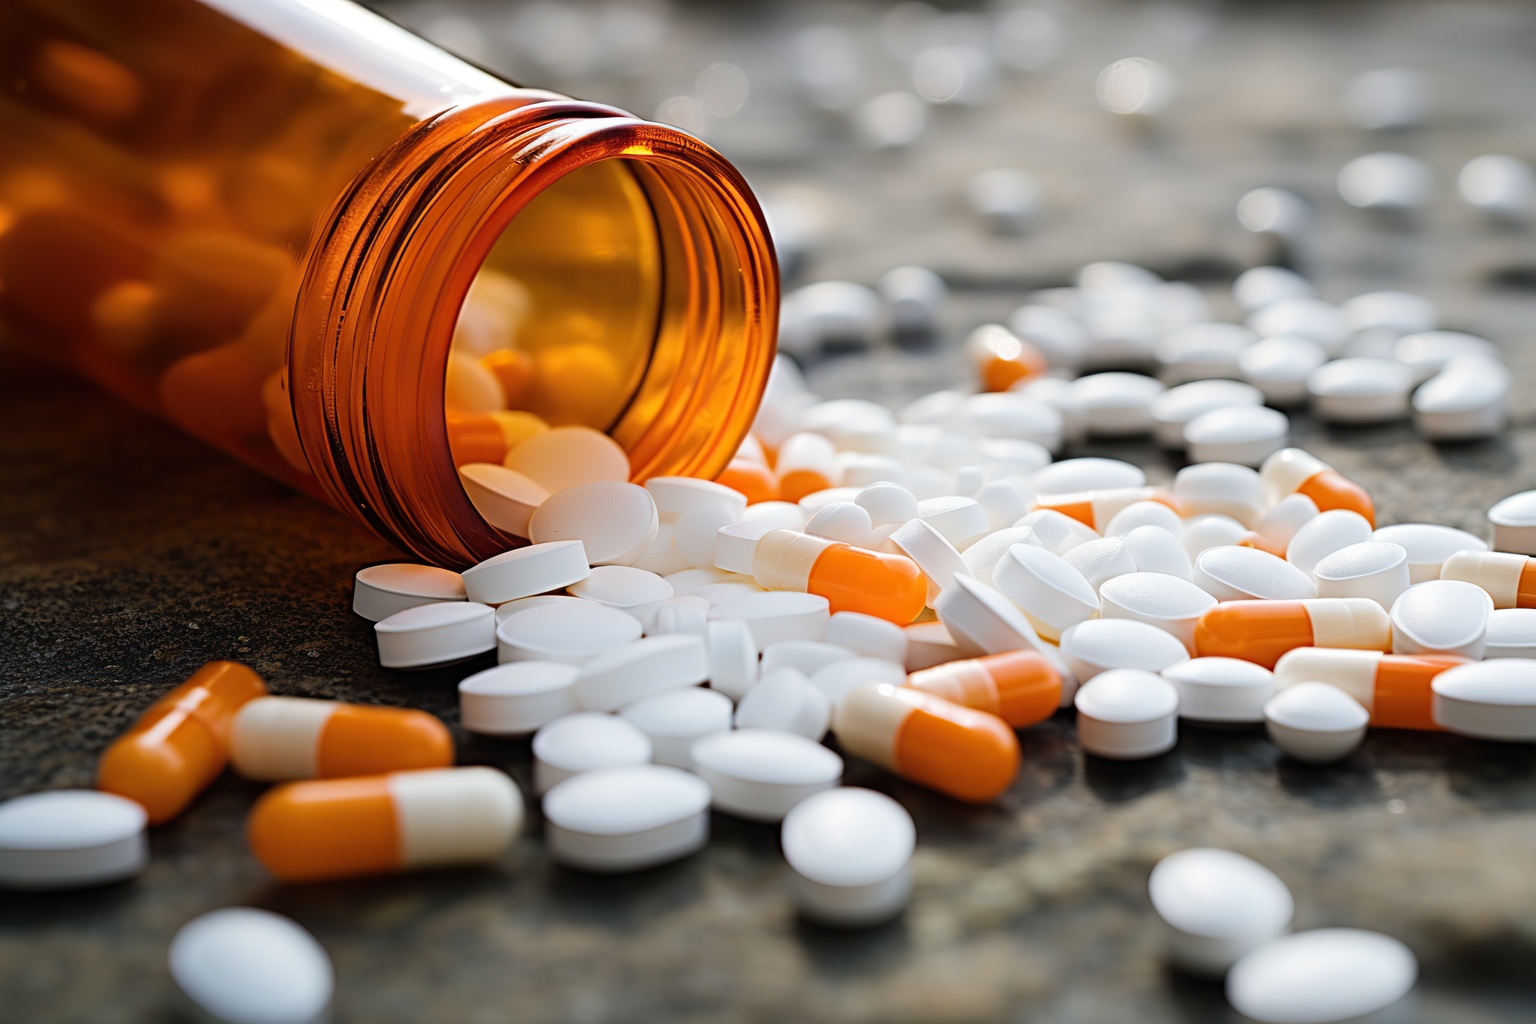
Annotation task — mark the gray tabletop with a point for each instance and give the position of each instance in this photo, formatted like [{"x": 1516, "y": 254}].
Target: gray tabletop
[{"x": 130, "y": 554}]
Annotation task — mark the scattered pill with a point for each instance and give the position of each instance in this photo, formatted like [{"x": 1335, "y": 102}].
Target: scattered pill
[
  {"x": 632, "y": 591},
  {"x": 626, "y": 819},
  {"x": 1261, "y": 631},
  {"x": 1315, "y": 722},
  {"x": 1508, "y": 578},
  {"x": 1275, "y": 528},
  {"x": 850, "y": 851},
  {"x": 1374, "y": 569},
  {"x": 982, "y": 621},
  {"x": 1167, "y": 602},
  {"x": 1361, "y": 390},
  {"x": 929, "y": 644},
  {"x": 1401, "y": 312},
  {"x": 1501, "y": 186},
  {"x": 675, "y": 719},
  {"x": 838, "y": 678},
  {"x": 1103, "y": 559},
  {"x": 1428, "y": 546},
  {"x": 1127, "y": 714},
  {"x": 518, "y": 698},
  {"x": 1441, "y": 617},
  {"x": 429, "y": 635},
  {"x": 1312, "y": 319},
  {"x": 1273, "y": 211},
  {"x": 1329, "y": 974},
  {"x": 1491, "y": 700},
  {"x": 180, "y": 744},
  {"x": 1280, "y": 367},
  {"x": 382, "y": 590},
  {"x": 1394, "y": 688},
  {"x": 1231, "y": 573},
  {"x": 1244, "y": 434},
  {"x": 1200, "y": 353},
  {"x": 585, "y": 742},
  {"x": 1210, "y": 531},
  {"x": 761, "y": 774},
  {"x": 1219, "y": 488},
  {"x": 784, "y": 700},
  {"x": 1101, "y": 644},
  {"x": 338, "y": 828},
  {"x": 1511, "y": 633},
  {"x": 279, "y": 739},
  {"x": 733, "y": 664},
  {"x": 675, "y": 496},
  {"x": 573, "y": 635},
  {"x": 1258, "y": 287},
  {"x": 1117, "y": 404},
  {"x": 567, "y": 457},
  {"x": 1071, "y": 476},
  {"x": 1466, "y": 400},
  {"x": 868, "y": 636},
  {"x": 887, "y": 503},
  {"x": 1156, "y": 550},
  {"x": 240, "y": 965},
  {"x": 803, "y": 655},
  {"x": 615, "y": 522},
  {"x": 935, "y": 557},
  {"x": 1324, "y": 534},
  {"x": 1221, "y": 690},
  {"x": 526, "y": 572},
  {"x": 71, "y": 839},
  {"x": 775, "y": 616},
  {"x": 1053, "y": 595},
  {"x": 1514, "y": 523},
  {"x": 849, "y": 578},
  {"x": 1180, "y": 405},
  {"x": 505, "y": 498},
  {"x": 1218, "y": 905},
  {"x": 1020, "y": 687},
  {"x": 654, "y": 664}
]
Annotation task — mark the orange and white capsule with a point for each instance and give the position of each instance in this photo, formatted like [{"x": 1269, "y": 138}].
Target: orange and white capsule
[
  {"x": 281, "y": 739},
  {"x": 1293, "y": 471},
  {"x": 967, "y": 754},
  {"x": 1020, "y": 687},
  {"x": 1394, "y": 688},
  {"x": 806, "y": 463},
  {"x": 181, "y": 744},
  {"x": 1510, "y": 579},
  {"x": 1094, "y": 509},
  {"x": 1002, "y": 358},
  {"x": 377, "y": 824},
  {"x": 1263, "y": 631},
  {"x": 852, "y": 579}
]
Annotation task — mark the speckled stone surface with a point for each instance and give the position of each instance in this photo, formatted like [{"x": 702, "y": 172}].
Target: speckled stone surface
[{"x": 130, "y": 554}]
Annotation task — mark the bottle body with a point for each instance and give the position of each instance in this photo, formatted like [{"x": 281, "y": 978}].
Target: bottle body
[{"x": 261, "y": 219}]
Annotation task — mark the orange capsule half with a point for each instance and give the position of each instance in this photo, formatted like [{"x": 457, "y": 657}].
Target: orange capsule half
[
  {"x": 1394, "y": 688},
  {"x": 280, "y": 739},
  {"x": 181, "y": 743},
  {"x": 1262, "y": 631},
  {"x": 852, "y": 579},
  {"x": 1020, "y": 687}
]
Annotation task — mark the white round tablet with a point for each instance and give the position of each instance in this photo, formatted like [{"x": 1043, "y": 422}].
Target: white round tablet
[
  {"x": 526, "y": 571},
  {"x": 1117, "y": 404},
  {"x": 935, "y": 556},
  {"x": 654, "y": 664},
  {"x": 761, "y": 774},
  {"x": 1324, "y": 534},
  {"x": 626, "y": 819},
  {"x": 674, "y": 720},
  {"x": 1468, "y": 399},
  {"x": 1211, "y": 531},
  {"x": 1308, "y": 318},
  {"x": 1315, "y": 722},
  {"x": 1360, "y": 390},
  {"x": 1491, "y": 700},
  {"x": 1053, "y": 595},
  {"x": 1258, "y": 287},
  {"x": 676, "y": 495},
  {"x": 1179, "y": 406},
  {"x": 850, "y": 851},
  {"x": 1102, "y": 559},
  {"x": 505, "y": 498},
  {"x": 1221, "y": 690},
  {"x": 563, "y": 633},
  {"x": 1156, "y": 550},
  {"x": 1143, "y": 513},
  {"x": 1057, "y": 532},
  {"x": 247, "y": 966},
  {"x": 1280, "y": 367},
  {"x": 1329, "y": 974},
  {"x": 1374, "y": 569},
  {"x": 838, "y": 678},
  {"x": 70, "y": 839},
  {"x": 1244, "y": 434},
  {"x": 1511, "y": 633},
  {"x": 867, "y": 635},
  {"x": 1102, "y": 644},
  {"x": 802, "y": 655},
  {"x": 381, "y": 590},
  {"x": 842, "y": 521},
  {"x": 1514, "y": 523},
  {"x": 777, "y": 615},
  {"x": 1218, "y": 905},
  {"x": 733, "y": 664},
  {"x": 1070, "y": 476},
  {"x": 567, "y": 457},
  {"x": 585, "y": 742},
  {"x": 1167, "y": 602},
  {"x": 784, "y": 700},
  {"x": 1278, "y": 526},
  {"x": 1220, "y": 488},
  {"x": 1428, "y": 546},
  {"x": 681, "y": 615},
  {"x": 615, "y": 522},
  {"x": 1441, "y": 617},
  {"x": 981, "y": 620},
  {"x": 1200, "y": 353},
  {"x": 1232, "y": 573},
  {"x": 435, "y": 634},
  {"x": 523, "y": 604},
  {"x": 518, "y": 698},
  {"x": 887, "y": 503},
  {"x": 632, "y": 591},
  {"x": 1127, "y": 714}
]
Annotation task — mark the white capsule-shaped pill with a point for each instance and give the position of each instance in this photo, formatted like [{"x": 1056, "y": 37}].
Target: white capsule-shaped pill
[
  {"x": 1441, "y": 617},
  {"x": 733, "y": 664},
  {"x": 381, "y": 590},
  {"x": 1514, "y": 523},
  {"x": 1154, "y": 549},
  {"x": 1244, "y": 434},
  {"x": 585, "y": 742},
  {"x": 1324, "y": 534},
  {"x": 1511, "y": 633},
  {"x": 626, "y": 819},
  {"x": 1490, "y": 700},
  {"x": 1280, "y": 367},
  {"x": 1500, "y": 186},
  {"x": 850, "y": 851},
  {"x": 1258, "y": 287},
  {"x": 1221, "y": 690},
  {"x": 1386, "y": 181},
  {"x": 1468, "y": 399},
  {"x": 1374, "y": 569},
  {"x": 1053, "y": 595},
  {"x": 761, "y": 774},
  {"x": 435, "y": 634},
  {"x": 1329, "y": 974},
  {"x": 518, "y": 698},
  {"x": 1428, "y": 546},
  {"x": 1231, "y": 573},
  {"x": 1315, "y": 722},
  {"x": 635, "y": 592},
  {"x": 1117, "y": 404},
  {"x": 241, "y": 965},
  {"x": 676, "y": 719},
  {"x": 1167, "y": 602},
  {"x": 573, "y": 635},
  {"x": 1177, "y": 407},
  {"x": 1070, "y": 476},
  {"x": 1312, "y": 319},
  {"x": 776, "y": 615},
  {"x": 1127, "y": 714},
  {"x": 70, "y": 839},
  {"x": 1217, "y": 905},
  {"x": 1361, "y": 390},
  {"x": 1220, "y": 488},
  {"x": 1277, "y": 527},
  {"x": 1099, "y": 645},
  {"x": 784, "y": 700},
  {"x": 654, "y": 664}
]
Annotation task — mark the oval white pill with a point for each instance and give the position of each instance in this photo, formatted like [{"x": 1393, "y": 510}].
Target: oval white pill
[
  {"x": 381, "y": 590},
  {"x": 1315, "y": 722},
  {"x": 1244, "y": 434},
  {"x": 1324, "y": 534},
  {"x": 733, "y": 664},
  {"x": 585, "y": 742},
  {"x": 1101, "y": 644},
  {"x": 1491, "y": 700},
  {"x": 70, "y": 839},
  {"x": 934, "y": 555},
  {"x": 1218, "y": 905},
  {"x": 774, "y": 616},
  {"x": 1052, "y": 594},
  {"x": 868, "y": 636},
  {"x": 1202, "y": 352},
  {"x": 435, "y": 634},
  {"x": 1167, "y": 602},
  {"x": 632, "y": 591},
  {"x": 524, "y": 572},
  {"x": 1441, "y": 617},
  {"x": 1144, "y": 513},
  {"x": 1156, "y": 550},
  {"x": 784, "y": 700},
  {"x": 1308, "y": 318},
  {"x": 1221, "y": 690},
  {"x": 675, "y": 720},
  {"x": 505, "y": 498},
  {"x": 842, "y": 521},
  {"x": 626, "y": 819},
  {"x": 1280, "y": 366},
  {"x": 1329, "y": 974},
  {"x": 1469, "y": 399},
  {"x": 887, "y": 503},
  {"x": 676, "y": 495},
  {"x": 1211, "y": 531},
  {"x": 615, "y": 522},
  {"x": 517, "y": 699},
  {"x": 1070, "y": 476},
  {"x": 249, "y": 966},
  {"x": 851, "y": 851},
  {"x": 1428, "y": 546},
  {"x": 1511, "y": 633},
  {"x": 1175, "y": 408},
  {"x": 1102, "y": 559},
  {"x": 1360, "y": 390},
  {"x": 1514, "y": 523},
  {"x": 761, "y": 775},
  {"x": 1231, "y": 573},
  {"x": 838, "y": 678},
  {"x": 982, "y": 621},
  {"x": 1117, "y": 404},
  {"x": 1258, "y": 287},
  {"x": 1220, "y": 488},
  {"x": 567, "y": 457},
  {"x": 651, "y": 665},
  {"x": 1428, "y": 352},
  {"x": 1057, "y": 532},
  {"x": 562, "y": 633},
  {"x": 1127, "y": 714},
  {"x": 1374, "y": 569},
  {"x": 958, "y": 520},
  {"x": 523, "y": 604}
]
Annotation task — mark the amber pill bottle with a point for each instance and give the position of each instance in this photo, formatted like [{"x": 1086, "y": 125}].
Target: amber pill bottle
[{"x": 261, "y": 219}]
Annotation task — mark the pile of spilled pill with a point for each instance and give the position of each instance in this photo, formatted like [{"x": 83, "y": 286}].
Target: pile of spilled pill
[{"x": 911, "y": 588}]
